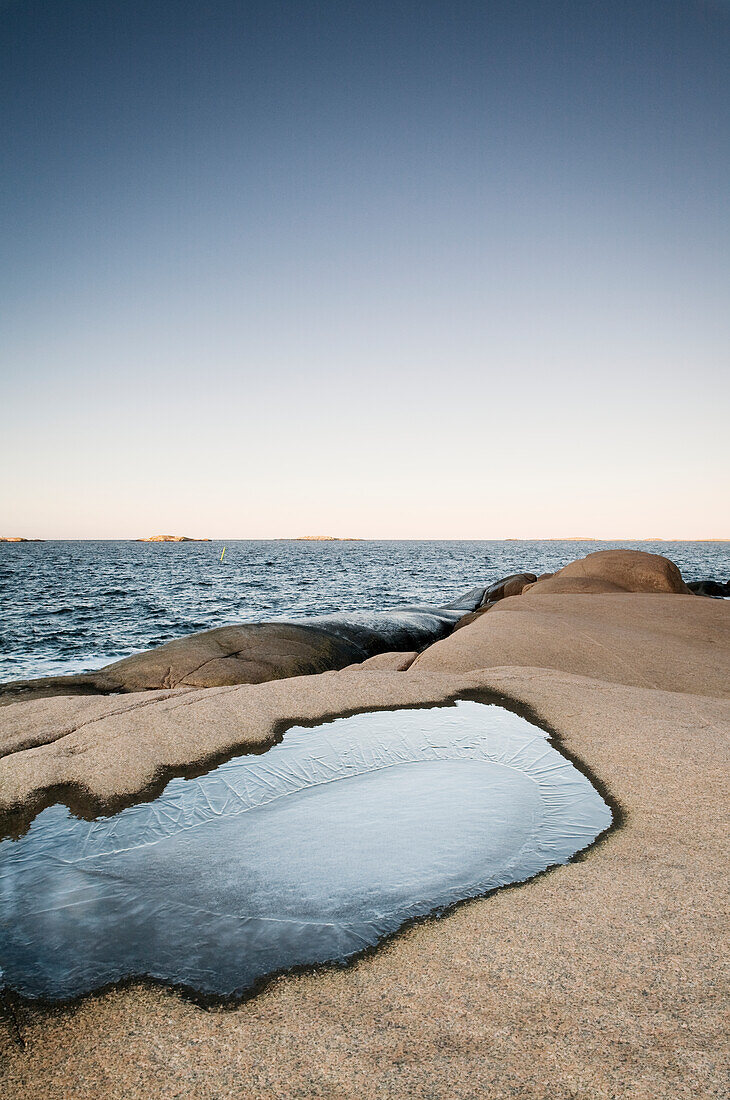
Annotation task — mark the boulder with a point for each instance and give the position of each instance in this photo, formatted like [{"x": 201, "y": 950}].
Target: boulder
[
  {"x": 508, "y": 586},
  {"x": 468, "y": 601},
  {"x": 385, "y": 662},
  {"x": 613, "y": 571},
  {"x": 710, "y": 588},
  {"x": 252, "y": 653},
  {"x": 566, "y": 585},
  {"x": 542, "y": 577}
]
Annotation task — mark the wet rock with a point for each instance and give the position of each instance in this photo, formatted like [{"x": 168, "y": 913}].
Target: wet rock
[
  {"x": 470, "y": 600},
  {"x": 252, "y": 653},
  {"x": 710, "y": 588}
]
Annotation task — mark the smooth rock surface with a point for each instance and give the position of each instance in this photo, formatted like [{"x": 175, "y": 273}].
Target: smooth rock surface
[
  {"x": 614, "y": 571},
  {"x": 116, "y": 746},
  {"x": 672, "y": 642},
  {"x": 392, "y": 661},
  {"x": 508, "y": 586},
  {"x": 113, "y": 748},
  {"x": 252, "y": 653}
]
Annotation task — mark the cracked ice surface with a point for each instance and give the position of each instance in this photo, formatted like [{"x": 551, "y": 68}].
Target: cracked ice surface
[{"x": 307, "y": 854}]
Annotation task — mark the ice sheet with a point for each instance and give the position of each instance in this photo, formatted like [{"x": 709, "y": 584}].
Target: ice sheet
[{"x": 307, "y": 854}]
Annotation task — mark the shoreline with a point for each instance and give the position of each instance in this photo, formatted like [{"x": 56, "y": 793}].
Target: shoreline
[{"x": 574, "y": 960}]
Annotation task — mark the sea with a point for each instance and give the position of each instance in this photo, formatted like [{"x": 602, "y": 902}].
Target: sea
[{"x": 74, "y": 606}]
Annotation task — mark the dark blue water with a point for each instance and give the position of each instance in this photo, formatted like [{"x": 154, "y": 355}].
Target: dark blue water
[{"x": 75, "y": 606}]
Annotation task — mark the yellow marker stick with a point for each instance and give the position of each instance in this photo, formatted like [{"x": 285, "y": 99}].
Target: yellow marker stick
[{"x": 224, "y": 550}]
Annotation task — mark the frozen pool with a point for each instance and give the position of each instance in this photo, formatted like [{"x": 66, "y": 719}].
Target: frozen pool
[{"x": 307, "y": 854}]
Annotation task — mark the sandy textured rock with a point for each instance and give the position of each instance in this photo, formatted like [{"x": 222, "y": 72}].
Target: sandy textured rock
[
  {"x": 677, "y": 643},
  {"x": 391, "y": 662},
  {"x": 573, "y": 586},
  {"x": 600, "y": 980},
  {"x": 614, "y": 570},
  {"x": 508, "y": 586},
  {"x": 116, "y": 747}
]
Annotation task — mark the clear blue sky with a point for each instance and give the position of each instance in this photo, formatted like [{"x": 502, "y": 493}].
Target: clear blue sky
[{"x": 393, "y": 269}]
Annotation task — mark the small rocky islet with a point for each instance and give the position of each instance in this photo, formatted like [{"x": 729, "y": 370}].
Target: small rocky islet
[{"x": 171, "y": 538}]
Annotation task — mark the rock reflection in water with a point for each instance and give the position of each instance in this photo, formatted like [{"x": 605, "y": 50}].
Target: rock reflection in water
[{"x": 308, "y": 854}]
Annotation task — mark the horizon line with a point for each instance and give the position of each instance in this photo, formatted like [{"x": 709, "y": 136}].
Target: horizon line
[{"x": 16, "y": 540}]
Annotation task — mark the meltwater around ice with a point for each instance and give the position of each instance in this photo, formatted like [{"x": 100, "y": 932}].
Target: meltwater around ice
[{"x": 307, "y": 854}]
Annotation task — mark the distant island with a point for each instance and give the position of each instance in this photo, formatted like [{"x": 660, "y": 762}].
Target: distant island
[
  {"x": 324, "y": 538},
  {"x": 3, "y": 539},
  {"x": 171, "y": 538}
]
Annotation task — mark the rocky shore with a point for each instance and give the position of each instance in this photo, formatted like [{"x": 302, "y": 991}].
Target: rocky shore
[
  {"x": 252, "y": 653},
  {"x": 601, "y": 978}
]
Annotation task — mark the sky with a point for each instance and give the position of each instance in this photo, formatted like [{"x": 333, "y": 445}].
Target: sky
[{"x": 383, "y": 269}]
